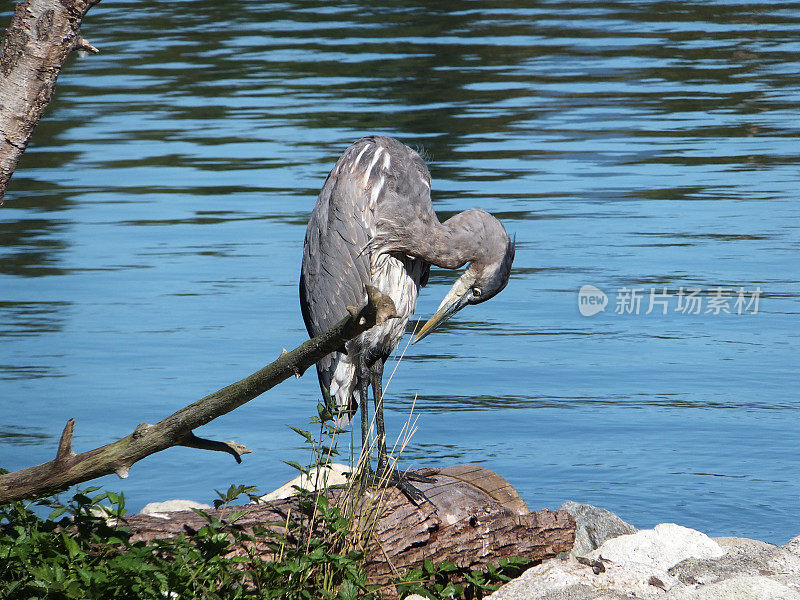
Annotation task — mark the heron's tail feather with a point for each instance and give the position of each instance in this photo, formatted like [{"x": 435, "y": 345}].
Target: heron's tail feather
[
  {"x": 343, "y": 418},
  {"x": 343, "y": 393}
]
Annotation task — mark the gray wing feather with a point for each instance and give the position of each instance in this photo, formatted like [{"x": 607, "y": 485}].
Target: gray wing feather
[{"x": 336, "y": 258}]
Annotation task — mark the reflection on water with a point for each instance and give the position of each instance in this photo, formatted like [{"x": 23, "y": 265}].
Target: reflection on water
[
  {"x": 152, "y": 235},
  {"x": 23, "y": 436}
]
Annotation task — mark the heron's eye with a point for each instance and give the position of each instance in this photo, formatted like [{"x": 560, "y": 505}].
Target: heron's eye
[{"x": 476, "y": 292}]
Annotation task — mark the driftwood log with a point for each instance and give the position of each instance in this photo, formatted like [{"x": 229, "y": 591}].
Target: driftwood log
[{"x": 474, "y": 518}]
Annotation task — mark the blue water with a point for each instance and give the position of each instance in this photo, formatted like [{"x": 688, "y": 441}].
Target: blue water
[{"x": 151, "y": 238}]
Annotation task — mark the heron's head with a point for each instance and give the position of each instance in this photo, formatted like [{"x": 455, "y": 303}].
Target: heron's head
[{"x": 488, "y": 270}]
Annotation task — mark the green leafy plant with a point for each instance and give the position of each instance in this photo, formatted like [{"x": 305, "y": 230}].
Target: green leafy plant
[
  {"x": 447, "y": 581},
  {"x": 77, "y": 552}
]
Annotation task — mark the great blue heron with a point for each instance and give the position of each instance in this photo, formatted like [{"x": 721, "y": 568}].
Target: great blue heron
[{"x": 374, "y": 224}]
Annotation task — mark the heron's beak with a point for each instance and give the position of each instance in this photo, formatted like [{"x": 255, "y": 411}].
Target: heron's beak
[{"x": 455, "y": 300}]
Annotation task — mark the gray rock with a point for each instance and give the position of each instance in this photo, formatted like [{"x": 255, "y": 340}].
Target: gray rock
[
  {"x": 743, "y": 558},
  {"x": 736, "y": 588},
  {"x": 594, "y": 526}
]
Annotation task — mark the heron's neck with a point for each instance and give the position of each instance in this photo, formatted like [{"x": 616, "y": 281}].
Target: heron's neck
[{"x": 449, "y": 245}]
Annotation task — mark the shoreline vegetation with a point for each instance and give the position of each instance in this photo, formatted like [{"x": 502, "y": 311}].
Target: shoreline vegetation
[{"x": 87, "y": 549}]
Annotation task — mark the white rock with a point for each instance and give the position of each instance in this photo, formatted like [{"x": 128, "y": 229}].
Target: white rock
[
  {"x": 159, "y": 509},
  {"x": 333, "y": 474},
  {"x": 546, "y": 577},
  {"x": 794, "y": 545},
  {"x": 660, "y": 548},
  {"x": 574, "y": 580},
  {"x": 736, "y": 588},
  {"x": 668, "y": 562}
]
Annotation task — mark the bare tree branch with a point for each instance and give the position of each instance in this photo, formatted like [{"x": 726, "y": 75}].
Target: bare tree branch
[
  {"x": 69, "y": 468},
  {"x": 39, "y": 38}
]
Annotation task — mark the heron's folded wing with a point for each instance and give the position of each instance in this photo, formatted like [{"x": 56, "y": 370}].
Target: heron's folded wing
[{"x": 336, "y": 257}]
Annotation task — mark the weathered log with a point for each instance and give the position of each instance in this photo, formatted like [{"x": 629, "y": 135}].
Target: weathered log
[
  {"x": 39, "y": 38},
  {"x": 69, "y": 468},
  {"x": 474, "y": 518}
]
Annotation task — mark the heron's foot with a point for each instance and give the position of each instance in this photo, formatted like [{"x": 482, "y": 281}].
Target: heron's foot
[
  {"x": 413, "y": 476},
  {"x": 386, "y": 476}
]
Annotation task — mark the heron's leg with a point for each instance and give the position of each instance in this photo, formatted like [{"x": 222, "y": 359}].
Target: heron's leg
[
  {"x": 363, "y": 389},
  {"x": 376, "y": 373},
  {"x": 387, "y": 474}
]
